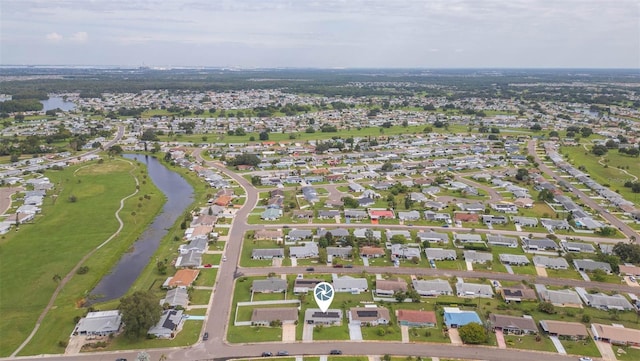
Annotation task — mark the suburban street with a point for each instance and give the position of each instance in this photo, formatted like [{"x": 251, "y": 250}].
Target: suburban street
[
  {"x": 221, "y": 301},
  {"x": 623, "y": 227}
]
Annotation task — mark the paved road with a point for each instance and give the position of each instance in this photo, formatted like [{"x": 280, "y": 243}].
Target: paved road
[
  {"x": 494, "y": 196},
  {"x": 219, "y": 312},
  {"x": 626, "y": 230}
]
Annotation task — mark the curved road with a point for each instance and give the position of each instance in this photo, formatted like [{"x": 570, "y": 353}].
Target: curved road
[{"x": 220, "y": 306}]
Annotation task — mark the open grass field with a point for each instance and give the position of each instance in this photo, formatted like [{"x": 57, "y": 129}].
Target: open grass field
[
  {"x": 58, "y": 239},
  {"x": 610, "y": 175}
]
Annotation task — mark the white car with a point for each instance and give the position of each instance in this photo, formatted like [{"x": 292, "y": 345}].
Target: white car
[
  {"x": 224, "y": 258},
  {"x": 585, "y": 359}
]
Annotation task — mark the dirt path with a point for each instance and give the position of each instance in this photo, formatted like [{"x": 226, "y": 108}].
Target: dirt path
[
  {"x": 5, "y": 197},
  {"x": 69, "y": 275}
]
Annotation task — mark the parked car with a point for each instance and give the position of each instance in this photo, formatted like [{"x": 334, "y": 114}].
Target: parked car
[
  {"x": 585, "y": 359},
  {"x": 267, "y": 354},
  {"x": 208, "y": 265},
  {"x": 335, "y": 352},
  {"x": 121, "y": 359},
  {"x": 224, "y": 258},
  {"x": 310, "y": 269},
  {"x": 348, "y": 266},
  {"x": 338, "y": 266},
  {"x": 283, "y": 353},
  {"x": 205, "y": 336}
]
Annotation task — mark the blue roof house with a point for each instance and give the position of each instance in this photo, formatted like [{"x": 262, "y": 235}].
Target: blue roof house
[{"x": 455, "y": 317}]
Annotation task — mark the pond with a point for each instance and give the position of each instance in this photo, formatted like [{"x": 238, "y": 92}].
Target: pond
[{"x": 179, "y": 194}]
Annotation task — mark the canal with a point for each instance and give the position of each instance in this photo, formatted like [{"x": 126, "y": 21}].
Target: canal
[{"x": 179, "y": 194}]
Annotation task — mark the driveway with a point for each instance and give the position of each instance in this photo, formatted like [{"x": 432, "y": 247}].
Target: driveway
[
  {"x": 289, "y": 333},
  {"x": 355, "y": 332},
  {"x": 307, "y": 333},
  {"x": 558, "y": 345},
  {"x": 500, "y": 339},
  {"x": 469, "y": 265},
  {"x": 404, "y": 331},
  {"x": 454, "y": 336},
  {"x": 606, "y": 351},
  {"x": 541, "y": 271},
  {"x": 294, "y": 262}
]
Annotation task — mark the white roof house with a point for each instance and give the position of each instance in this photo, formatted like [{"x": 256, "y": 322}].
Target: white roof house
[{"x": 99, "y": 323}]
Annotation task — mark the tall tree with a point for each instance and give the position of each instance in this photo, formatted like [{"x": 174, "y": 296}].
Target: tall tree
[{"x": 140, "y": 311}]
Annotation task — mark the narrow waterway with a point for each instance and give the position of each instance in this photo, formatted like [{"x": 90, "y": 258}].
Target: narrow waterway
[{"x": 179, "y": 195}]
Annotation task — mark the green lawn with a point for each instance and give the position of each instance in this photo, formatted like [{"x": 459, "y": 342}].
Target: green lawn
[
  {"x": 248, "y": 246},
  {"x": 331, "y": 332},
  {"x": 58, "y": 239},
  {"x": 381, "y": 333},
  {"x": 428, "y": 335},
  {"x": 242, "y": 334},
  {"x": 569, "y": 273},
  {"x": 189, "y": 335},
  {"x": 529, "y": 342},
  {"x": 200, "y": 297},
  {"x": 207, "y": 277},
  {"x": 583, "y": 348},
  {"x": 626, "y": 353}
]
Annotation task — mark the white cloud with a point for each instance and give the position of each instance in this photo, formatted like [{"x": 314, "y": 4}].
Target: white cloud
[
  {"x": 80, "y": 37},
  {"x": 54, "y": 37}
]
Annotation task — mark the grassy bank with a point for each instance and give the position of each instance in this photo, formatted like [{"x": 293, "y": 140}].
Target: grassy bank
[{"x": 56, "y": 241}]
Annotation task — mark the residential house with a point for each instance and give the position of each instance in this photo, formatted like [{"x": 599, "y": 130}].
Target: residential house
[
  {"x": 562, "y": 298},
  {"x": 265, "y": 316},
  {"x": 267, "y": 253},
  {"x": 271, "y": 214},
  {"x": 413, "y": 318},
  {"x": 606, "y": 302},
  {"x": 308, "y": 250},
  {"x": 525, "y": 221},
  {"x": 405, "y": 251},
  {"x": 467, "y": 238},
  {"x": 471, "y": 207},
  {"x": 268, "y": 235},
  {"x": 437, "y": 217},
  {"x": 304, "y": 285},
  {"x": 387, "y": 288},
  {"x": 518, "y": 294},
  {"x": 355, "y": 187},
  {"x": 550, "y": 262},
  {"x": 455, "y": 317},
  {"x": 409, "y": 216},
  {"x": 349, "y": 284},
  {"x": 314, "y": 316},
  {"x": 629, "y": 270},
  {"x": 310, "y": 194},
  {"x": 564, "y": 330},
  {"x": 514, "y": 259},
  {"x": 616, "y": 334},
  {"x": 191, "y": 259},
  {"x": 361, "y": 233},
  {"x": 269, "y": 285},
  {"x": 340, "y": 252},
  {"x": 169, "y": 324},
  {"x": 589, "y": 265},
  {"x": 439, "y": 254},
  {"x": 355, "y": 214},
  {"x": 577, "y": 247},
  {"x": 302, "y": 214},
  {"x": 473, "y": 290},
  {"x": 369, "y": 316},
  {"x": 477, "y": 257},
  {"x": 176, "y": 297},
  {"x": 404, "y": 233},
  {"x": 539, "y": 244},
  {"x": 555, "y": 224},
  {"x": 434, "y": 205},
  {"x": 372, "y": 252},
  {"x": 183, "y": 278},
  {"x": 513, "y": 325},
  {"x": 500, "y": 240},
  {"x": 432, "y": 288},
  {"x": 100, "y": 323},
  {"x": 381, "y": 213},
  {"x": 430, "y": 236},
  {"x": 504, "y": 207},
  {"x": 497, "y": 219},
  {"x": 338, "y": 233},
  {"x": 296, "y": 235},
  {"x": 328, "y": 214}
]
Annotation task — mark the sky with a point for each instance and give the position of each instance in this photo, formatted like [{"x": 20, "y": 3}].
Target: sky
[{"x": 322, "y": 33}]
